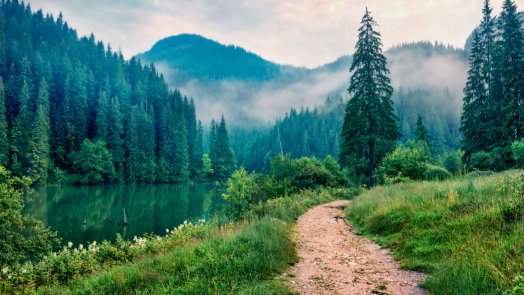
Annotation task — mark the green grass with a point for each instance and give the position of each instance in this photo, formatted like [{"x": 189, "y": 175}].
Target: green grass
[
  {"x": 468, "y": 234},
  {"x": 247, "y": 258}
]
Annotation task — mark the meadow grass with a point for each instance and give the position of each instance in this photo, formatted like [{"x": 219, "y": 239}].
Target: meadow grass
[
  {"x": 468, "y": 233},
  {"x": 249, "y": 259}
]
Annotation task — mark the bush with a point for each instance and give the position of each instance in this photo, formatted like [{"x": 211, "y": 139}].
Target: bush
[
  {"x": 517, "y": 288},
  {"x": 481, "y": 161},
  {"x": 408, "y": 161},
  {"x": 452, "y": 161},
  {"x": 22, "y": 238},
  {"x": 517, "y": 153},
  {"x": 434, "y": 172},
  {"x": 307, "y": 173}
]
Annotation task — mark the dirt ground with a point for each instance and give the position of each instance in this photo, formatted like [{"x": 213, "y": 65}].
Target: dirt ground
[{"x": 335, "y": 260}]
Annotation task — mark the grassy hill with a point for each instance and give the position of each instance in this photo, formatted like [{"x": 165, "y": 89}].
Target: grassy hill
[{"x": 466, "y": 233}]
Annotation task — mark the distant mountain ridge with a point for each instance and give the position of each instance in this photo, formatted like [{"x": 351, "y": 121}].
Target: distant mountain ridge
[
  {"x": 252, "y": 91},
  {"x": 195, "y": 56}
]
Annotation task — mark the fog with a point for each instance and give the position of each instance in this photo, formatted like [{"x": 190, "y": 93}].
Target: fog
[{"x": 251, "y": 104}]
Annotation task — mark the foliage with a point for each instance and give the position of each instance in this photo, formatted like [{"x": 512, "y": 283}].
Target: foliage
[
  {"x": 452, "y": 161},
  {"x": 287, "y": 176},
  {"x": 22, "y": 238},
  {"x": 421, "y": 132},
  {"x": 517, "y": 149},
  {"x": 222, "y": 156},
  {"x": 239, "y": 192},
  {"x": 58, "y": 90},
  {"x": 93, "y": 163},
  {"x": 409, "y": 161},
  {"x": 493, "y": 115},
  {"x": 517, "y": 288},
  {"x": 72, "y": 263},
  {"x": 370, "y": 127},
  {"x": 434, "y": 172},
  {"x": 453, "y": 230}
]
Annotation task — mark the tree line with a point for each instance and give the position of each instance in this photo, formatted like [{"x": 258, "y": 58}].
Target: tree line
[
  {"x": 493, "y": 116},
  {"x": 73, "y": 110}
]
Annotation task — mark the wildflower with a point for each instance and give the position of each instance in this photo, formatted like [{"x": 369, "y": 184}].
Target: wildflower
[
  {"x": 69, "y": 245},
  {"x": 81, "y": 246},
  {"x": 5, "y": 270},
  {"x": 167, "y": 230}
]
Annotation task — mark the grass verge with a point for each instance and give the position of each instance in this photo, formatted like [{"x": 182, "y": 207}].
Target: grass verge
[{"x": 467, "y": 233}]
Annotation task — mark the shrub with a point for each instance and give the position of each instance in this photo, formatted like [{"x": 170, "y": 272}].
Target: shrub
[
  {"x": 452, "y": 161},
  {"x": 517, "y": 288},
  {"x": 517, "y": 153},
  {"x": 22, "y": 238},
  {"x": 434, "y": 172},
  {"x": 307, "y": 173},
  {"x": 408, "y": 161},
  {"x": 239, "y": 193},
  {"x": 481, "y": 161}
]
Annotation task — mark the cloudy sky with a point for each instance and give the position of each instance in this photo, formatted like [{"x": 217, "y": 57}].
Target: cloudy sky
[{"x": 299, "y": 32}]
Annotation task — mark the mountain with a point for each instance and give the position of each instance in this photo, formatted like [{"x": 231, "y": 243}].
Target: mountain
[
  {"x": 255, "y": 96},
  {"x": 196, "y": 57}
]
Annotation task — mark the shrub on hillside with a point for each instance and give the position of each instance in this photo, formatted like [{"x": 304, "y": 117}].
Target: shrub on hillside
[{"x": 434, "y": 172}]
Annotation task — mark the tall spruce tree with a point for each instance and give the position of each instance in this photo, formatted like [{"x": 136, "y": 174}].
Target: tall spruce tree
[
  {"x": 370, "y": 128},
  {"x": 421, "y": 132},
  {"x": 222, "y": 156},
  {"x": 511, "y": 46},
  {"x": 38, "y": 146},
  {"x": 474, "y": 114},
  {"x": 20, "y": 132},
  {"x": 4, "y": 140}
]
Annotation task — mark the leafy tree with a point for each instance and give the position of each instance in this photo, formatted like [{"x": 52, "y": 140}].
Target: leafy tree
[
  {"x": 21, "y": 237},
  {"x": 94, "y": 163},
  {"x": 207, "y": 167},
  {"x": 370, "y": 126},
  {"x": 421, "y": 133}
]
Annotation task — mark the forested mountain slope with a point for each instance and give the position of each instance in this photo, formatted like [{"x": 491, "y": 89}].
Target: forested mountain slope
[{"x": 73, "y": 106}]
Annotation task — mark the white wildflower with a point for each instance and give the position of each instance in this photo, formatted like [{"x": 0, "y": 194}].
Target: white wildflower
[
  {"x": 81, "y": 246},
  {"x": 5, "y": 270},
  {"x": 69, "y": 245}
]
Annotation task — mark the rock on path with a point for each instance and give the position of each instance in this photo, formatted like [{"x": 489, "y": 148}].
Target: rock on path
[{"x": 335, "y": 260}]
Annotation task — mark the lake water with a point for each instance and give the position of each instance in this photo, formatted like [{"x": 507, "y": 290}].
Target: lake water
[{"x": 82, "y": 214}]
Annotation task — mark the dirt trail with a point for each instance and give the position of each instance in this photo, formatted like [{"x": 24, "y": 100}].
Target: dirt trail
[{"x": 335, "y": 260}]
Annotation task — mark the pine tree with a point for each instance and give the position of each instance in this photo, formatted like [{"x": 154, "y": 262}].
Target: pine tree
[
  {"x": 421, "y": 132},
  {"x": 101, "y": 123},
  {"x": 370, "y": 128},
  {"x": 223, "y": 158},
  {"x": 20, "y": 133},
  {"x": 4, "y": 141},
  {"x": 511, "y": 46},
  {"x": 38, "y": 146},
  {"x": 475, "y": 99},
  {"x": 115, "y": 142}
]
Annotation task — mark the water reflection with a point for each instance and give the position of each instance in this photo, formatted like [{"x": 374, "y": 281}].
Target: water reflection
[{"x": 88, "y": 213}]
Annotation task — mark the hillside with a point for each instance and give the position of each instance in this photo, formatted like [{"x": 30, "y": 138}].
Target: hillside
[{"x": 196, "y": 57}]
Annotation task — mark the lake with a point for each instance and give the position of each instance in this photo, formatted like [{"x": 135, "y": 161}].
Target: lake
[{"x": 82, "y": 214}]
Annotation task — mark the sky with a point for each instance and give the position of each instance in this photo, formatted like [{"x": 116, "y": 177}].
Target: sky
[{"x": 298, "y": 32}]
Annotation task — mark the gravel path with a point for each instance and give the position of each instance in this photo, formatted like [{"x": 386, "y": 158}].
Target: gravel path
[{"x": 335, "y": 260}]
